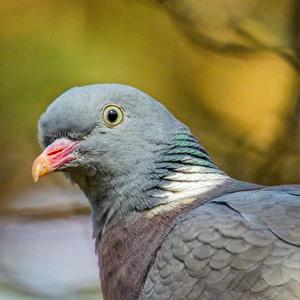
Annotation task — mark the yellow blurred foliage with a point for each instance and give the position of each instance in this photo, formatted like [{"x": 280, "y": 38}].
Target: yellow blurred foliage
[{"x": 239, "y": 97}]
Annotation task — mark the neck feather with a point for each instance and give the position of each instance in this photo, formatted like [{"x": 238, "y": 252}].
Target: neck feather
[
  {"x": 185, "y": 170},
  {"x": 176, "y": 173}
]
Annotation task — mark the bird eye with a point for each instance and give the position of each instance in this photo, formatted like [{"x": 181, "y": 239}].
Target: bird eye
[{"x": 112, "y": 115}]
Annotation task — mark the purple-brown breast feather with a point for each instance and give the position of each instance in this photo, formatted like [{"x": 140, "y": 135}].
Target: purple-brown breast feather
[{"x": 126, "y": 251}]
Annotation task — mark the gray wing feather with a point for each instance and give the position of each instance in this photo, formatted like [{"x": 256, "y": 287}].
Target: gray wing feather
[
  {"x": 274, "y": 208},
  {"x": 243, "y": 245}
]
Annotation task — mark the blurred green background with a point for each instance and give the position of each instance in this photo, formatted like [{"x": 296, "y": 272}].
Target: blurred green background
[{"x": 227, "y": 68}]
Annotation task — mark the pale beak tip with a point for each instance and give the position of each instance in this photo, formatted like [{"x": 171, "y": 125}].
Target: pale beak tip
[
  {"x": 35, "y": 178},
  {"x": 35, "y": 172}
]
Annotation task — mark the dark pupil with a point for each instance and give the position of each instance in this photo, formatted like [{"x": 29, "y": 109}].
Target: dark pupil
[{"x": 112, "y": 115}]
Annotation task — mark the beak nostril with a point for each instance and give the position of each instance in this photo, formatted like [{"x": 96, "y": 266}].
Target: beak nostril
[
  {"x": 58, "y": 146},
  {"x": 55, "y": 151}
]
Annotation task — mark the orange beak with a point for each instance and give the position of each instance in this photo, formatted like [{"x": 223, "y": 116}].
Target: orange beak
[{"x": 53, "y": 157}]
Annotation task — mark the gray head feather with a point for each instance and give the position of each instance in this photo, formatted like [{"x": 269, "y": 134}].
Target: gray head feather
[{"x": 120, "y": 168}]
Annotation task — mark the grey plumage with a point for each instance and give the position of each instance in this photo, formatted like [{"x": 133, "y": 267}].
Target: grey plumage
[
  {"x": 153, "y": 189},
  {"x": 243, "y": 245}
]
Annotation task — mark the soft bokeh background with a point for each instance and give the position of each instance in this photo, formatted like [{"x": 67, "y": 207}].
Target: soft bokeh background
[{"x": 227, "y": 68}]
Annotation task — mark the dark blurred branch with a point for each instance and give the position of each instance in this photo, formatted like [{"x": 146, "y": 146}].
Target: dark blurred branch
[
  {"x": 195, "y": 20},
  {"x": 35, "y": 214},
  {"x": 287, "y": 54}
]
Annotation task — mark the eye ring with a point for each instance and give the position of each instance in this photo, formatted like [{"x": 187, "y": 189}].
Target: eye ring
[{"x": 112, "y": 115}]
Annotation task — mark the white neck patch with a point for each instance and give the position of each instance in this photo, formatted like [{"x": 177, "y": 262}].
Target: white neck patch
[{"x": 185, "y": 186}]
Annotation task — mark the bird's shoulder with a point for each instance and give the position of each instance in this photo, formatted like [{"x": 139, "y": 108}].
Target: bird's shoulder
[
  {"x": 242, "y": 243},
  {"x": 275, "y": 208}
]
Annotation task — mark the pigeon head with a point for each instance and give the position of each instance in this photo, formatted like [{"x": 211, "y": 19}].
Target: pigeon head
[
  {"x": 106, "y": 128},
  {"x": 124, "y": 149}
]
